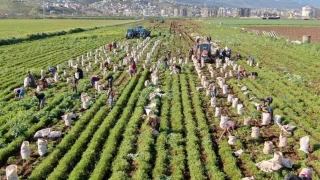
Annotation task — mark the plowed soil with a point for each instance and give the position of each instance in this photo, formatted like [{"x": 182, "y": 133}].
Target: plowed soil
[{"x": 291, "y": 33}]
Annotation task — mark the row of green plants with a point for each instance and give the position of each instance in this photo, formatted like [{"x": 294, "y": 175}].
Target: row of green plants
[
  {"x": 104, "y": 161},
  {"x": 37, "y": 36},
  {"x": 73, "y": 136},
  {"x": 176, "y": 137},
  {"x": 47, "y": 50},
  {"x": 212, "y": 166},
  {"x": 162, "y": 158},
  {"x": 120, "y": 164},
  {"x": 145, "y": 155},
  {"x": 192, "y": 140},
  {"x": 42, "y": 122}
]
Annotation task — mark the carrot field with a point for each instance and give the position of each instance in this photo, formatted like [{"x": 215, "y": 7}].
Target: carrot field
[{"x": 117, "y": 143}]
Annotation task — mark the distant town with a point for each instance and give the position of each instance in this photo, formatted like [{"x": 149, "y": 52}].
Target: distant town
[{"x": 167, "y": 8}]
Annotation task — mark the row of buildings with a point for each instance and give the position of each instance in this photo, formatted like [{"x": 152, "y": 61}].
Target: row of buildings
[{"x": 178, "y": 9}]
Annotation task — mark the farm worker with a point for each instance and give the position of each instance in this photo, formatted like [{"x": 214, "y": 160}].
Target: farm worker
[
  {"x": 19, "y": 93},
  {"x": 111, "y": 95},
  {"x": 241, "y": 73},
  {"x": 230, "y": 126},
  {"x": 80, "y": 73},
  {"x": 32, "y": 81},
  {"x": 110, "y": 80},
  {"x": 169, "y": 55},
  {"x": 110, "y": 46},
  {"x": 190, "y": 53},
  {"x": 74, "y": 84},
  {"x": 52, "y": 70},
  {"x": 198, "y": 41},
  {"x": 254, "y": 75},
  {"x": 267, "y": 100},
  {"x": 305, "y": 174},
  {"x": 105, "y": 64},
  {"x": 42, "y": 98},
  {"x": 266, "y": 109},
  {"x": 213, "y": 90},
  {"x": 238, "y": 56},
  {"x": 180, "y": 35},
  {"x": 114, "y": 44},
  {"x": 208, "y": 38},
  {"x": 44, "y": 82},
  {"x": 228, "y": 53},
  {"x": 132, "y": 69},
  {"x": 176, "y": 69},
  {"x": 93, "y": 79},
  {"x": 165, "y": 63}
]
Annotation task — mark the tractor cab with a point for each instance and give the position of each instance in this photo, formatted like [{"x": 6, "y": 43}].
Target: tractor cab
[
  {"x": 138, "y": 28},
  {"x": 203, "y": 50},
  {"x": 130, "y": 33}
]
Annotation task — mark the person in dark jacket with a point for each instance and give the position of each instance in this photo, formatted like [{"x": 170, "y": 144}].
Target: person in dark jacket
[
  {"x": 80, "y": 73},
  {"x": 42, "y": 98},
  {"x": 110, "y": 80}
]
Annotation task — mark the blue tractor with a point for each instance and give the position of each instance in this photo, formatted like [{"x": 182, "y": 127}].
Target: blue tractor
[
  {"x": 141, "y": 32},
  {"x": 130, "y": 33}
]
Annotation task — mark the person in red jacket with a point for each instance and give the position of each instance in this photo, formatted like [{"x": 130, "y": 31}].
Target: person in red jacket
[
  {"x": 132, "y": 68},
  {"x": 110, "y": 46}
]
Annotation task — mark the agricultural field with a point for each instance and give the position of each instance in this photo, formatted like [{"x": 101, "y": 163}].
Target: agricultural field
[
  {"x": 117, "y": 143},
  {"x": 291, "y": 33},
  {"x": 262, "y": 22},
  {"x": 20, "y": 28}
]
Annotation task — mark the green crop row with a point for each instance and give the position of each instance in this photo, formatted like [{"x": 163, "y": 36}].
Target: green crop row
[
  {"x": 121, "y": 163},
  {"x": 192, "y": 141},
  {"x": 212, "y": 166},
  {"x": 47, "y": 165},
  {"x": 104, "y": 162},
  {"x": 176, "y": 139},
  {"x": 162, "y": 157}
]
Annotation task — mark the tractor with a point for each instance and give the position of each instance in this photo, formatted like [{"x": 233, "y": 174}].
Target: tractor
[
  {"x": 203, "y": 50},
  {"x": 130, "y": 33},
  {"x": 144, "y": 33}
]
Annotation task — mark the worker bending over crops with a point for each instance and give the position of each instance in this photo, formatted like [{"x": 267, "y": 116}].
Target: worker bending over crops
[
  {"x": 253, "y": 75},
  {"x": 153, "y": 121},
  {"x": 238, "y": 56},
  {"x": 267, "y": 100},
  {"x": 42, "y": 98},
  {"x": 230, "y": 126},
  {"x": 52, "y": 70},
  {"x": 241, "y": 73},
  {"x": 93, "y": 79},
  {"x": 19, "y": 93},
  {"x": 176, "y": 69},
  {"x": 266, "y": 109}
]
